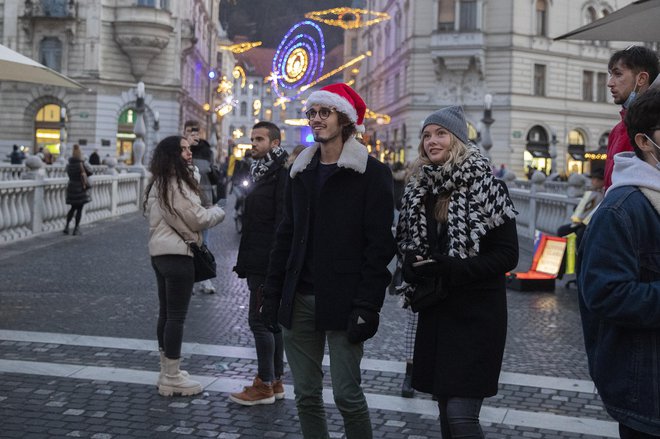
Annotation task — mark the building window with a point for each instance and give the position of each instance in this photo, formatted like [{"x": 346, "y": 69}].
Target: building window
[
  {"x": 397, "y": 29},
  {"x": 55, "y": 8},
  {"x": 397, "y": 86},
  {"x": 354, "y": 49},
  {"x": 243, "y": 108},
  {"x": 588, "y": 86},
  {"x": 539, "y": 80},
  {"x": 541, "y": 9},
  {"x": 446, "y": 11},
  {"x": 601, "y": 87},
  {"x": 468, "y": 15},
  {"x": 50, "y": 53}
]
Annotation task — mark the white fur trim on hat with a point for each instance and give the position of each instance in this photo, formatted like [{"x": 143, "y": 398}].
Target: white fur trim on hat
[
  {"x": 322, "y": 97},
  {"x": 360, "y": 128}
]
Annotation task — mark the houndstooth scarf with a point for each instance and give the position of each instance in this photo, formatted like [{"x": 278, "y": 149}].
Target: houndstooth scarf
[
  {"x": 260, "y": 167},
  {"x": 477, "y": 204}
]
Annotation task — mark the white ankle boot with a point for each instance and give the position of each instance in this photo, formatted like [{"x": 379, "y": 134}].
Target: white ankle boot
[
  {"x": 173, "y": 382},
  {"x": 162, "y": 368}
]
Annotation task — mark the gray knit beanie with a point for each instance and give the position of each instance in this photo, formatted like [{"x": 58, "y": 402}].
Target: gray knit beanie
[{"x": 451, "y": 118}]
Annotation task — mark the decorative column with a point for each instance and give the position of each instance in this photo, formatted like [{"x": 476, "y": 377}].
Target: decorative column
[
  {"x": 139, "y": 129},
  {"x": 63, "y": 136},
  {"x": 486, "y": 139},
  {"x": 213, "y": 138}
]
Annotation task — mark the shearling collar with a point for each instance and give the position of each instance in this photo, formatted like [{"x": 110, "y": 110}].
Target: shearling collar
[{"x": 353, "y": 156}]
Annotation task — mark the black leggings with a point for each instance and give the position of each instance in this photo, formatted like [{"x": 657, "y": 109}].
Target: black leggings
[
  {"x": 628, "y": 433},
  {"x": 175, "y": 275},
  {"x": 77, "y": 208}
]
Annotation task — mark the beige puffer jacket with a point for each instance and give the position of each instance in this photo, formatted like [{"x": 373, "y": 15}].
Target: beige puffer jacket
[{"x": 189, "y": 220}]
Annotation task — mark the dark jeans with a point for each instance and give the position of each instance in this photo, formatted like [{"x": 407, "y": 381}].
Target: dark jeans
[
  {"x": 175, "y": 275},
  {"x": 629, "y": 433},
  {"x": 459, "y": 417},
  {"x": 269, "y": 346}
]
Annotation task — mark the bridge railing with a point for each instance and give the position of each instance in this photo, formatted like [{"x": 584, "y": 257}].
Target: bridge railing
[{"x": 36, "y": 203}]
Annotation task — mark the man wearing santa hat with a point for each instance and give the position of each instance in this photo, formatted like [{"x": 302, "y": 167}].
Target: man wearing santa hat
[{"x": 328, "y": 268}]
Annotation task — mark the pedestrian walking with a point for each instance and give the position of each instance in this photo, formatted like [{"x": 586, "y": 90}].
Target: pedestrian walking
[
  {"x": 328, "y": 269},
  {"x": 77, "y": 190},
  {"x": 619, "y": 280},
  {"x": 173, "y": 206},
  {"x": 632, "y": 70},
  {"x": 263, "y": 213},
  {"x": 457, "y": 236}
]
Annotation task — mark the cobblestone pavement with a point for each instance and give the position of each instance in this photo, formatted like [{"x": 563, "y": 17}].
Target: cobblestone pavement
[{"x": 77, "y": 330}]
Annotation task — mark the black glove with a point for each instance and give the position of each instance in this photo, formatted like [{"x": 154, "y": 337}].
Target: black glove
[
  {"x": 269, "y": 314},
  {"x": 409, "y": 272},
  {"x": 362, "y": 325}
]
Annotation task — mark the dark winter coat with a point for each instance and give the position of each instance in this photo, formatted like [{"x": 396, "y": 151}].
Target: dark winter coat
[
  {"x": 262, "y": 215},
  {"x": 353, "y": 241},
  {"x": 460, "y": 343},
  {"x": 75, "y": 194}
]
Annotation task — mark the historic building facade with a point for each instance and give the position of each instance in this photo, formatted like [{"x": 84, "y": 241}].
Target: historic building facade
[
  {"x": 549, "y": 99},
  {"x": 109, "y": 46}
]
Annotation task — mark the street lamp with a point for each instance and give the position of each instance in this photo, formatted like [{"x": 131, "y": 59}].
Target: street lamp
[
  {"x": 487, "y": 121},
  {"x": 63, "y": 135},
  {"x": 139, "y": 129}
]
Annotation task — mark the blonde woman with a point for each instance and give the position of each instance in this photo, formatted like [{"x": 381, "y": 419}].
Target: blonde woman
[{"x": 457, "y": 233}]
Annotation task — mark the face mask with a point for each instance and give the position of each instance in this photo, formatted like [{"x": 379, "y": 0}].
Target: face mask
[
  {"x": 632, "y": 96},
  {"x": 657, "y": 164}
]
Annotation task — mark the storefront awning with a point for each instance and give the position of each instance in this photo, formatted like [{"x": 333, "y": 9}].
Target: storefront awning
[
  {"x": 538, "y": 150},
  {"x": 576, "y": 152}
]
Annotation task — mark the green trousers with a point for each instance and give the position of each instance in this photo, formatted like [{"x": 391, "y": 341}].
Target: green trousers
[{"x": 304, "y": 347}]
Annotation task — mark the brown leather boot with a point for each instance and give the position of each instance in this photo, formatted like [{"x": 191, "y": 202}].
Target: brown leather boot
[
  {"x": 257, "y": 393},
  {"x": 278, "y": 389}
]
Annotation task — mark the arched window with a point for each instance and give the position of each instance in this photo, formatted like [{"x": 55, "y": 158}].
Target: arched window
[
  {"x": 590, "y": 15},
  {"x": 243, "y": 108},
  {"x": 47, "y": 128},
  {"x": 50, "y": 53},
  {"x": 541, "y": 18},
  {"x": 537, "y": 154},
  {"x": 397, "y": 29},
  {"x": 126, "y": 135},
  {"x": 446, "y": 15},
  {"x": 602, "y": 141}
]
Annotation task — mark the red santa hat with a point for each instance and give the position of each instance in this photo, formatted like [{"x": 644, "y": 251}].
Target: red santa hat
[{"x": 342, "y": 98}]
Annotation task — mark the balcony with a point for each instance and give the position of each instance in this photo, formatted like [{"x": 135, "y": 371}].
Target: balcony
[
  {"x": 457, "y": 51},
  {"x": 50, "y": 9},
  {"x": 142, "y": 33}
]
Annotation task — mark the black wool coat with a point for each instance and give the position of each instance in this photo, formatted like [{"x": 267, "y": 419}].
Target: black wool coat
[
  {"x": 460, "y": 342},
  {"x": 262, "y": 215},
  {"x": 353, "y": 241},
  {"x": 75, "y": 194}
]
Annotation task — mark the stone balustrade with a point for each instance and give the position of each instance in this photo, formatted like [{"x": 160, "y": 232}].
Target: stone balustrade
[{"x": 36, "y": 203}]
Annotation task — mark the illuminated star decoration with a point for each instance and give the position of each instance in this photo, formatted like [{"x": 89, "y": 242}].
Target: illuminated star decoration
[
  {"x": 240, "y": 47},
  {"x": 298, "y": 59},
  {"x": 348, "y": 18}
]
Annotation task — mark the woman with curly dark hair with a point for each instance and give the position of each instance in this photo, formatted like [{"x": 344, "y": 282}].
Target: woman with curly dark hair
[{"x": 176, "y": 215}]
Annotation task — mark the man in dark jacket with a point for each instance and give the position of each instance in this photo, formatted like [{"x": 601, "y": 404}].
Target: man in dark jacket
[
  {"x": 262, "y": 214},
  {"x": 328, "y": 268}
]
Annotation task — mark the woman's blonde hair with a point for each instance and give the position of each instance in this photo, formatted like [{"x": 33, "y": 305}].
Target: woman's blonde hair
[{"x": 458, "y": 152}]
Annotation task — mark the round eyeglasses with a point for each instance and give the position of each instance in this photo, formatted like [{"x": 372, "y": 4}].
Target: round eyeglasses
[{"x": 323, "y": 113}]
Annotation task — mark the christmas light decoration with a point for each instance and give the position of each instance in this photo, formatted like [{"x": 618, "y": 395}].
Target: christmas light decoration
[
  {"x": 238, "y": 72},
  {"x": 348, "y": 18},
  {"x": 298, "y": 59},
  {"x": 297, "y": 122},
  {"x": 240, "y": 47},
  {"x": 337, "y": 70},
  {"x": 380, "y": 118},
  {"x": 256, "y": 107}
]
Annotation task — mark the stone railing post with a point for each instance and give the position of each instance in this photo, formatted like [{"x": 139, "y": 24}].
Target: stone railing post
[
  {"x": 576, "y": 186},
  {"x": 538, "y": 178},
  {"x": 36, "y": 171}
]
